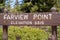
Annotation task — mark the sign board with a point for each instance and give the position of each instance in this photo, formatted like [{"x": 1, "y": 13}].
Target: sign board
[{"x": 31, "y": 19}]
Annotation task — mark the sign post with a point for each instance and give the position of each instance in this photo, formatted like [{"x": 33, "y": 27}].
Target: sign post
[
  {"x": 54, "y": 28},
  {"x": 54, "y": 32},
  {"x": 5, "y": 32}
]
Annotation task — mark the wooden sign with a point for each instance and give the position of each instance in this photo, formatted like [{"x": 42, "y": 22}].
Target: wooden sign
[{"x": 32, "y": 19}]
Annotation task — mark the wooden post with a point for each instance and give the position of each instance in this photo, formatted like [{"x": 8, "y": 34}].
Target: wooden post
[
  {"x": 54, "y": 33},
  {"x": 54, "y": 28},
  {"x": 5, "y": 32},
  {"x": 17, "y": 38}
]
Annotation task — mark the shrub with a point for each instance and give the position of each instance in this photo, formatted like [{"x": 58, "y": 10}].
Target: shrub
[
  {"x": 58, "y": 32},
  {"x": 27, "y": 33},
  {"x": 0, "y": 34}
]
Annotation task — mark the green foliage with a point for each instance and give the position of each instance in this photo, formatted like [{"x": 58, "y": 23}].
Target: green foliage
[
  {"x": 58, "y": 5},
  {"x": 1, "y": 5},
  {"x": 37, "y": 5},
  {"x": 2, "y": 2},
  {"x": 0, "y": 34},
  {"x": 27, "y": 33},
  {"x": 58, "y": 32}
]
